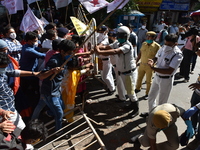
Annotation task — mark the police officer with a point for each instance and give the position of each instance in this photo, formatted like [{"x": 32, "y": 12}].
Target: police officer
[
  {"x": 148, "y": 51},
  {"x": 126, "y": 64},
  {"x": 106, "y": 73},
  {"x": 167, "y": 60}
]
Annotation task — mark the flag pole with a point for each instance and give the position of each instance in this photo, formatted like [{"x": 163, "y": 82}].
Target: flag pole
[
  {"x": 50, "y": 11},
  {"x": 8, "y": 16},
  {"x": 39, "y": 8},
  {"x": 66, "y": 61},
  {"x": 66, "y": 12}
]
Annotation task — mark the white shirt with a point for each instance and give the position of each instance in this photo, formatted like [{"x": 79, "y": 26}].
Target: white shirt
[
  {"x": 169, "y": 58},
  {"x": 47, "y": 44},
  {"x": 126, "y": 60}
]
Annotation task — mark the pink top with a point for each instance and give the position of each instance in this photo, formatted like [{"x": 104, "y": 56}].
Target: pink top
[
  {"x": 49, "y": 54},
  {"x": 188, "y": 44}
]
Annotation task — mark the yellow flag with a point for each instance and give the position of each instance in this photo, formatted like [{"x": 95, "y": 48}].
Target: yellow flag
[{"x": 79, "y": 26}]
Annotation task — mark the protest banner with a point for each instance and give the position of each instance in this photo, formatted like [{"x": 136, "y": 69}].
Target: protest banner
[
  {"x": 62, "y": 3},
  {"x": 93, "y": 6},
  {"x": 79, "y": 26},
  {"x": 32, "y": 1},
  {"x": 13, "y": 5},
  {"x": 30, "y": 22},
  {"x": 111, "y": 6}
]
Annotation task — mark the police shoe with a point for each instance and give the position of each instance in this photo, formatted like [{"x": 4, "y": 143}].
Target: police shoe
[
  {"x": 111, "y": 92},
  {"x": 146, "y": 97},
  {"x": 144, "y": 115},
  {"x": 137, "y": 91},
  {"x": 136, "y": 142}
]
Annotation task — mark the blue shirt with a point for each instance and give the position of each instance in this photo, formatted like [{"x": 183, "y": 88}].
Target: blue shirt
[
  {"x": 29, "y": 58},
  {"x": 6, "y": 94}
]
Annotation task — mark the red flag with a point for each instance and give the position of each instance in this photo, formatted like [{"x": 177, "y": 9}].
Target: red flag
[{"x": 93, "y": 5}]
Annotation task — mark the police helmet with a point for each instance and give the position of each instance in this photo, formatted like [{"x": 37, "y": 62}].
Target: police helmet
[{"x": 123, "y": 32}]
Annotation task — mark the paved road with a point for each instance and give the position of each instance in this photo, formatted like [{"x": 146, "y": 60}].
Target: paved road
[
  {"x": 118, "y": 127},
  {"x": 180, "y": 95}
]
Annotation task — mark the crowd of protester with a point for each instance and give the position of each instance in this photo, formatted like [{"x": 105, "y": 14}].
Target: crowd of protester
[{"x": 29, "y": 61}]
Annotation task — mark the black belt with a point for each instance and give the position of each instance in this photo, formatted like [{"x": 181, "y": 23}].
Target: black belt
[
  {"x": 126, "y": 72},
  {"x": 181, "y": 44},
  {"x": 104, "y": 59},
  {"x": 164, "y": 77}
]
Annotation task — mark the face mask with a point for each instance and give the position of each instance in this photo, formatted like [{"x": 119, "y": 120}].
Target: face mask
[
  {"x": 13, "y": 36},
  {"x": 35, "y": 44},
  {"x": 143, "y": 27},
  {"x": 121, "y": 40},
  {"x": 2, "y": 70},
  {"x": 149, "y": 41}
]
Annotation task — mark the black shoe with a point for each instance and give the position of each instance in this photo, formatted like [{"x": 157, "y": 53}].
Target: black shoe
[
  {"x": 111, "y": 92},
  {"x": 144, "y": 115},
  {"x": 146, "y": 97},
  {"x": 135, "y": 138},
  {"x": 132, "y": 105},
  {"x": 137, "y": 91},
  {"x": 118, "y": 96},
  {"x": 136, "y": 142}
]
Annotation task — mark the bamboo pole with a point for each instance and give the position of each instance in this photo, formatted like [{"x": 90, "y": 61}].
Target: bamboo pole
[
  {"x": 66, "y": 12},
  {"x": 66, "y": 61},
  {"x": 39, "y": 8},
  {"x": 50, "y": 11}
]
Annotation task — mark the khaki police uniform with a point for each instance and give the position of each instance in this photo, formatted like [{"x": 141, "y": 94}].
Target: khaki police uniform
[
  {"x": 148, "y": 51},
  {"x": 172, "y": 142}
]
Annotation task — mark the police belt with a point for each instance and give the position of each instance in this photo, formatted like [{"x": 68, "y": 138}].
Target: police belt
[
  {"x": 164, "y": 77},
  {"x": 104, "y": 59},
  {"x": 126, "y": 72}
]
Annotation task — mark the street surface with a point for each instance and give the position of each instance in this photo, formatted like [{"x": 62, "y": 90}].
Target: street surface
[{"x": 118, "y": 128}]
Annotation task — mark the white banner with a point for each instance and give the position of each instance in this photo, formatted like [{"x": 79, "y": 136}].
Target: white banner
[
  {"x": 115, "y": 3},
  {"x": 32, "y": 1},
  {"x": 93, "y": 5},
  {"x": 62, "y": 3},
  {"x": 30, "y": 22},
  {"x": 13, "y": 5}
]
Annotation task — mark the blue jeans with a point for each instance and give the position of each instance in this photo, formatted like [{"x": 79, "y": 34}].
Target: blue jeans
[
  {"x": 195, "y": 118},
  {"x": 55, "y": 105}
]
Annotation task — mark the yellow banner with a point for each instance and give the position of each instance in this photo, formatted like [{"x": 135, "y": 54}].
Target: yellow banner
[
  {"x": 79, "y": 26},
  {"x": 149, "y": 3}
]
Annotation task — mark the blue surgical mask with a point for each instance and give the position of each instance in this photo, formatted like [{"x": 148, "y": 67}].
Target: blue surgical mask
[
  {"x": 121, "y": 40},
  {"x": 2, "y": 70},
  {"x": 149, "y": 41}
]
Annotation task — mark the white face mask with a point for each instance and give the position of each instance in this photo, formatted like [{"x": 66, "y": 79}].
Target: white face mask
[
  {"x": 143, "y": 27},
  {"x": 35, "y": 44},
  {"x": 13, "y": 35}
]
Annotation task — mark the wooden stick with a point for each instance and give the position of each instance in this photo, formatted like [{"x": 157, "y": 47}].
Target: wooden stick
[
  {"x": 66, "y": 13},
  {"x": 50, "y": 11},
  {"x": 39, "y": 8},
  {"x": 66, "y": 61}
]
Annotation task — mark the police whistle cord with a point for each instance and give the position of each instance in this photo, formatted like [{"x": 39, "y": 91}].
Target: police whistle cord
[{"x": 66, "y": 61}]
